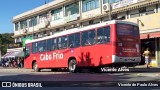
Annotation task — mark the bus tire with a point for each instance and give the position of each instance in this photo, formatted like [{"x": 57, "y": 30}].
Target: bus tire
[
  {"x": 35, "y": 67},
  {"x": 72, "y": 65}
]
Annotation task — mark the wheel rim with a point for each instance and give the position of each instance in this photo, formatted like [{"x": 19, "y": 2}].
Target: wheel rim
[{"x": 72, "y": 66}]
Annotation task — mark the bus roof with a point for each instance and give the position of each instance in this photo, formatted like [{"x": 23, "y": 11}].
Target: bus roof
[{"x": 75, "y": 30}]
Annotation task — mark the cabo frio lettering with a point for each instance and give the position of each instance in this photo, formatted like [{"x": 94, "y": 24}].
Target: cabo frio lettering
[{"x": 54, "y": 56}]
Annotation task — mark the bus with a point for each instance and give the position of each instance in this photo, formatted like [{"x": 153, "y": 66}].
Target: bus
[{"x": 111, "y": 43}]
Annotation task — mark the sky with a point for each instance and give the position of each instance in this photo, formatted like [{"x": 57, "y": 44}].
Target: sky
[{"x": 11, "y": 8}]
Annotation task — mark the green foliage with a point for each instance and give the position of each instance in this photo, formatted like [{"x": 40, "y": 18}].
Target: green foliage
[{"x": 5, "y": 39}]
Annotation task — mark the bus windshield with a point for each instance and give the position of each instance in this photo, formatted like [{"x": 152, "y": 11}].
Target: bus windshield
[{"x": 127, "y": 30}]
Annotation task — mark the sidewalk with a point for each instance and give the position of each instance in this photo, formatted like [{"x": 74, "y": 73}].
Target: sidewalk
[
  {"x": 144, "y": 66},
  {"x": 10, "y": 69}
]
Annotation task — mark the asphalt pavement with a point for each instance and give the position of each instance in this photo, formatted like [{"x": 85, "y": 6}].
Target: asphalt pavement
[{"x": 97, "y": 81}]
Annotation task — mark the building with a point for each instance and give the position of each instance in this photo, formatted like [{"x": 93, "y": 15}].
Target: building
[{"x": 60, "y": 15}]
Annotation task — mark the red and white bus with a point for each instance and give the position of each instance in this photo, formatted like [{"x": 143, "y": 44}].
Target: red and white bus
[{"x": 108, "y": 43}]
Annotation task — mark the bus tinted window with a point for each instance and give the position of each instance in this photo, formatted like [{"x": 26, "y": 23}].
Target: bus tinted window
[
  {"x": 42, "y": 46},
  {"x": 51, "y": 44},
  {"x": 74, "y": 40},
  {"x": 62, "y": 42},
  {"x": 54, "y": 44},
  {"x": 27, "y": 52},
  {"x": 77, "y": 39},
  {"x": 127, "y": 30},
  {"x": 34, "y": 47},
  {"x": 92, "y": 37},
  {"x": 84, "y": 38},
  {"x": 71, "y": 41},
  {"x": 88, "y": 37},
  {"x": 103, "y": 35},
  {"x": 107, "y": 34}
]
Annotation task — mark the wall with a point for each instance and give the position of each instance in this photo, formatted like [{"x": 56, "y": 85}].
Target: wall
[{"x": 147, "y": 22}]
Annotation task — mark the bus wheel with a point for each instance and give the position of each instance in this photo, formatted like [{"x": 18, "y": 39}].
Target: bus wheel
[
  {"x": 35, "y": 67},
  {"x": 72, "y": 66}
]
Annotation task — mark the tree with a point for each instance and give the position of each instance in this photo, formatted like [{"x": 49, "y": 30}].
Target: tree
[{"x": 5, "y": 39}]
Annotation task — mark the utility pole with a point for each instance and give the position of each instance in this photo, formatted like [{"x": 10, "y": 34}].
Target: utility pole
[
  {"x": 109, "y": 10},
  {"x": 33, "y": 28}
]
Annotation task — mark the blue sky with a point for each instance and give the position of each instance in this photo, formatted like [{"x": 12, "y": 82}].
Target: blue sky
[{"x": 11, "y": 8}]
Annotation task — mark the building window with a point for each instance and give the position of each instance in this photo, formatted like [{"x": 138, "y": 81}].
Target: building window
[
  {"x": 42, "y": 18},
  {"x": 142, "y": 10},
  {"x": 72, "y": 9},
  {"x": 150, "y": 10},
  {"x": 16, "y": 26},
  {"x": 134, "y": 13},
  {"x": 57, "y": 14},
  {"x": 89, "y": 5},
  {"x": 33, "y": 22},
  {"x": 110, "y": 1},
  {"x": 23, "y": 24}
]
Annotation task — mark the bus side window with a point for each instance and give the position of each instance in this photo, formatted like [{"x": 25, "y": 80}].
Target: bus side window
[
  {"x": 49, "y": 44},
  {"x": 27, "y": 53},
  {"x": 74, "y": 40},
  {"x": 107, "y": 34},
  {"x": 54, "y": 44},
  {"x": 100, "y": 35},
  {"x": 71, "y": 41},
  {"x": 44, "y": 45},
  {"x": 59, "y": 43},
  {"x": 92, "y": 37},
  {"x": 35, "y": 47},
  {"x": 77, "y": 40},
  {"x": 85, "y": 38},
  {"x": 64, "y": 42},
  {"x": 40, "y": 48},
  {"x": 103, "y": 35}
]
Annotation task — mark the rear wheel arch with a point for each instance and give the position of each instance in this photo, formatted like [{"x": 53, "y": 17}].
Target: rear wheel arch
[
  {"x": 35, "y": 66},
  {"x": 33, "y": 63},
  {"x": 70, "y": 58}
]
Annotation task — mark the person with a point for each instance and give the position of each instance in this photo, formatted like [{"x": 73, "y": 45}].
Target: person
[
  {"x": 18, "y": 62},
  {"x": 21, "y": 62},
  {"x": 147, "y": 55}
]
